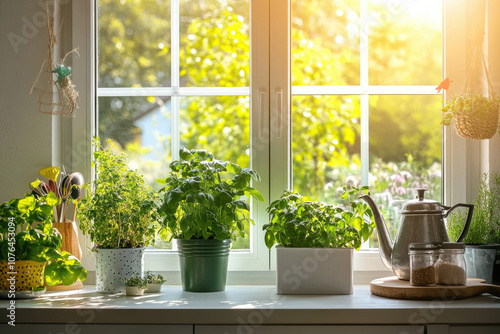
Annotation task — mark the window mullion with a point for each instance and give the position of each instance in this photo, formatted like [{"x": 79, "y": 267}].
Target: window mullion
[
  {"x": 280, "y": 97},
  {"x": 174, "y": 70},
  {"x": 364, "y": 98}
]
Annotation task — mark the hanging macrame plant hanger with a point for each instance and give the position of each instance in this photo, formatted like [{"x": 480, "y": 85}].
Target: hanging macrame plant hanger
[{"x": 56, "y": 92}]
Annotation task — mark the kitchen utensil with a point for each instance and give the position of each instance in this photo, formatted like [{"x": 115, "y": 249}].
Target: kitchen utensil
[
  {"x": 422, "y": 221},
  {"x": 40, "y": 188},
  {"x": 50, "y": 173},
  {"x": 65, "y": 192},
  {"x": 76, "y": 187},
  {"x": 53, "y": 188},
  {"x": 392, "y": 287}
]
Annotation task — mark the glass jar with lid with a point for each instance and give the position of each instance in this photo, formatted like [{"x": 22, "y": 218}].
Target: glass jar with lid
[
  {"x": 451, "y": 266},
  {"x": 423, "y": 258}
]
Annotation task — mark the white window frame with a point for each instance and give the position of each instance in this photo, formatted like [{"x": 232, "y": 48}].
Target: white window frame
[{"x": 270, "y": 123}]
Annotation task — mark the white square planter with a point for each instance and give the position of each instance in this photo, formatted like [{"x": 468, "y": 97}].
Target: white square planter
[{"x": 314, "y": 271}]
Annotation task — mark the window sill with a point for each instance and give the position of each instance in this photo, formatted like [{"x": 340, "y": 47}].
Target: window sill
[{"x": 248, "y": 304}]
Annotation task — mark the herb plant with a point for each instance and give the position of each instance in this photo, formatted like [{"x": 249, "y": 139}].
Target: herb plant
[
  {"x": 485, "y": 224},
  {"x": 476, "y": 104},
  {"x": 26, "y": 231},
  {"x": 203, "y": 198},
  {"x": 298, "y": 223},
  {"x": 121, "y": 211},
  {"x": 154, "y": 278},
  {"x": 136, "y": 281}
]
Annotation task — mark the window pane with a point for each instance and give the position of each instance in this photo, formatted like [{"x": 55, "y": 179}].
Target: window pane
[
  {"x": 215, "y": 48},
  {"x": 325, "y": 145},
  {"x": 405, "y": 150},
  {"x": 140, "y": 126},
  {"x": 134, "y": 43},
  {"x": 325, "y": 42},
  {"x": 405, "y": 42},
  {"x": 219, "y": 124}
]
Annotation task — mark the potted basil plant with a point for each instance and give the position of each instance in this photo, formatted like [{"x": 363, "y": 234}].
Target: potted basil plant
[
  {"x": 119, "y": 213},
  {"x": 316, "y": 242},
  {"x": 482, "y": 242},
  {"x": 31, "y": 248},
  {"x": 205, "y": 206}
]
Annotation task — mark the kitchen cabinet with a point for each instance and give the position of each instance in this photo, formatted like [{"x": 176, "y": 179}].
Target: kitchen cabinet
[{"x": 248, "y": 329}]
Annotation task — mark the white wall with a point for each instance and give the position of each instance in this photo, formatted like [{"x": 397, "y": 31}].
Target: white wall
[{"x": 25, "y": 133}]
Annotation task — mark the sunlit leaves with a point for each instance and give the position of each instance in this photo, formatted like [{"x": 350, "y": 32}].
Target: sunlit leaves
[
  {"x": 299, "y": 223},
  {"x": 202, "y": 201},
  {"x": 120, "y": 211}
]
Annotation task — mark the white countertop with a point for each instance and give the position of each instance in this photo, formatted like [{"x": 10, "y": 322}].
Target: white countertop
[{"x": 174, "y": 306}]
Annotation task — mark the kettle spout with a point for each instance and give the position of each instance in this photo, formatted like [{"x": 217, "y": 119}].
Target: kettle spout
[{"x": 385, "y": 241}]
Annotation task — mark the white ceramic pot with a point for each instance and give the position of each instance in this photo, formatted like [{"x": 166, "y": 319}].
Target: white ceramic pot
[
  {"x": 325, "y": 271},
  {"x": 153, "y": 288},
  {"x": 112, "y": 266},
  {"x": 134, "y": 291}
]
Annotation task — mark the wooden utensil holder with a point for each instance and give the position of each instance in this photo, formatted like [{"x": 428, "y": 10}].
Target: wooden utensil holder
[{"x": 70, "y": 244}]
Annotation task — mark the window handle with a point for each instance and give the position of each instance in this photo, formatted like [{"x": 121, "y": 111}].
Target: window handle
[
  {"x": 262, "y": 101},
  {"x": 279, "y": 106}
]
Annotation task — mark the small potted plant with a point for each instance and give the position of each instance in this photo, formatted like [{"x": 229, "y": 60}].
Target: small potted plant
[
  {"x": 204, "y": 209},
  {"x": 31, "y": 247},
  {"x": 119, "y": 214},
  {"x": 154, "y": 281},
  {"x": 316, "y": 242},
  {"x": 135, "y": 286},
  {"x": 482, "y": 249}
]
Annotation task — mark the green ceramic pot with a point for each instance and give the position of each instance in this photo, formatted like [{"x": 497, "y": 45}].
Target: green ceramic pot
[{"x": 203, "y": 264}]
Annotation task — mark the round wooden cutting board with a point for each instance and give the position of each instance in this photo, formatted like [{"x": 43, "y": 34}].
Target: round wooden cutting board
[{"x": 392, "y": 287}]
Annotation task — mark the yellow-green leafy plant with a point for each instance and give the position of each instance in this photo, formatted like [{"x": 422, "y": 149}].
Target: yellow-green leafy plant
[
  {"x": 26, "y": 233},
  {"x": 119, "y": 210}
]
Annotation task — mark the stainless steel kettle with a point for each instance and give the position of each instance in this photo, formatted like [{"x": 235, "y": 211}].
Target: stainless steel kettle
[{"x": 421, "y": 221}]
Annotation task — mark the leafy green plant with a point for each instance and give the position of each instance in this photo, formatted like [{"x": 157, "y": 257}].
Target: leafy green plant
[
  {"x": 26, "y": 231},
  {"x": 476, "y": 104},
  {"x": 299, "y": 223},
  {"x": 121, "y": 211},
  {"x": 485, "y": 224},
  {"x": 136, "y": 281},
  {"x": 203, "y": 197},
  {"x": 154, "y": 278}
]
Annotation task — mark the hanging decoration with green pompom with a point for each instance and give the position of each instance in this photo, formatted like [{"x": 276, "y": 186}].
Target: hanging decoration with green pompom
[{"x": 56, "y": 92}]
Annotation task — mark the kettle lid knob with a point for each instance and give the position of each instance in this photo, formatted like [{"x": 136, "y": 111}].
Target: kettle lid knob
[{"x": 421, "y": 192}]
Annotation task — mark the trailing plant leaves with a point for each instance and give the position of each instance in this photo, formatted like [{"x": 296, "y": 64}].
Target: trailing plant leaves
[{"x": 36, "y": 239}]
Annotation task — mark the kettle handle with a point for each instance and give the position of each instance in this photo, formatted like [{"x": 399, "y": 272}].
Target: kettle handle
[{"x": 467, "y": 222}]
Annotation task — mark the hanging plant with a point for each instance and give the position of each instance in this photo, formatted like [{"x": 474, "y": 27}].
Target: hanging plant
[{"x": 474, "y": 114}]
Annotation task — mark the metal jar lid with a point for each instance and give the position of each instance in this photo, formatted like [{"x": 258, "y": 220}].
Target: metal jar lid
[
  {"x": 453, "y": 245},
  {"x": 424, "y": 246},
  {"x": 422, "y": 205}
]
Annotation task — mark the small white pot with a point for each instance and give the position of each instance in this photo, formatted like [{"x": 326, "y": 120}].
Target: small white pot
[
  {"x": 308, "y": 271},
  {"x": 134, "y": 291},
  {"x": 153, "y": 288}
]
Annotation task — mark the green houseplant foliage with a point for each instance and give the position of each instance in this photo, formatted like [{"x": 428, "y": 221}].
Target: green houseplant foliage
[
  {"x": 485, "y": 224},
  {"x": 35, "y": 239},
  {"x": 121, "y": 211},
  {"x": 298, "y": 223},
  {"x": 476, "y": 104},
  {"x": 202, "y": 198},
  {"x": 136, "y": 281},
  {"x": 154, "y": 278}
]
